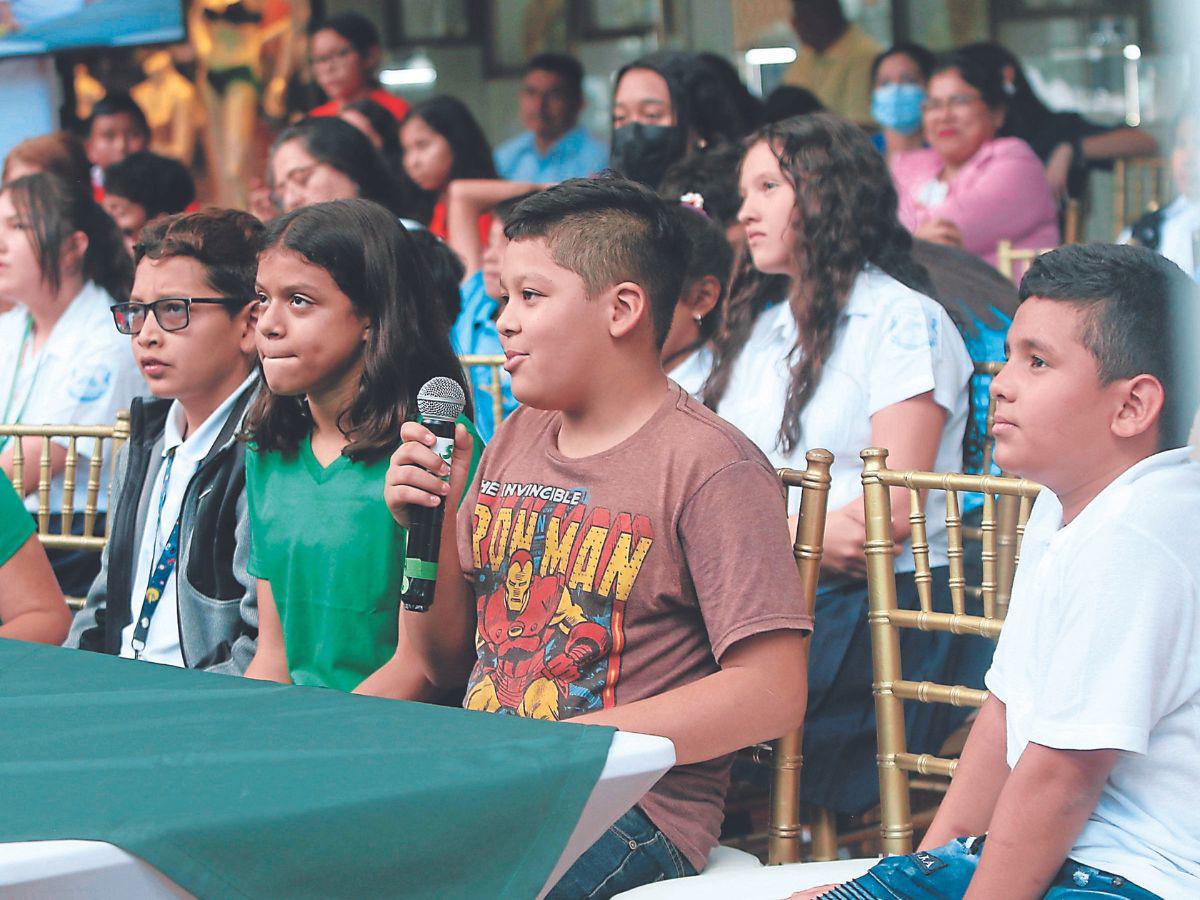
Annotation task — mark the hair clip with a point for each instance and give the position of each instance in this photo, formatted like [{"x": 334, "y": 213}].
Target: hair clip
[{"x": 694, "y": 199}]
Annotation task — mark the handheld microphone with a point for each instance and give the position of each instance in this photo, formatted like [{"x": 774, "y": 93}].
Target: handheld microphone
[{"x": 440, "y": 402}]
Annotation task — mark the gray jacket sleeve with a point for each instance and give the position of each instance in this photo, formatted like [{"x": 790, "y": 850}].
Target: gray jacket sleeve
[
  {"x": 87, "y": 628},
  {"x": 244, "y": 647}
]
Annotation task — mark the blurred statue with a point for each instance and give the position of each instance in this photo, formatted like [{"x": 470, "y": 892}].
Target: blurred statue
[
  {"x": 88, "y": 92},
  {"x": 172, "y": 106},
  {"x": 229, "y": 37}
]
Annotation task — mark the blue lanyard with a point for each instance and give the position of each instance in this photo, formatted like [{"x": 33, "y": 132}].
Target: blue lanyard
[{"x": 162, "y": 569}]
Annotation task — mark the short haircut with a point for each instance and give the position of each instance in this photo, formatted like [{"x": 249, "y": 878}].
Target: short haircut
[
  {"x": 563, "y": 65},
  {"x": 224, "y": 241},
  {"x": 158, "y": 184},
  {"x": 606, "y": 230},
  {"x": 1128, "y": 297},
  {"x": 114, "y": 103},
  {"x": 504, "y": 209},
  {"x": 985, "y": 79},
  {"x": 710, "y": 254},
  {"x": 354, "y": 27}
]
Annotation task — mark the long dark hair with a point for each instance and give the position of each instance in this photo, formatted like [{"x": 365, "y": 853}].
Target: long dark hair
[
  {"x": 55, "y": 210},
  {"x": 375, "y": 263},
  {"x": 1026, "y": 116},
  {"x": 339, "y": 144},
  {"x": 472, "y": 154},
  {"x": 847, "y": 218}
]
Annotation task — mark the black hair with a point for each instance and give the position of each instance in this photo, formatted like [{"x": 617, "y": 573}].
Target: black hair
[
  {"x": 1025, "y": 113},
  {"x": 469, "y": 147},
  {"x": 504, "y": 209},
  {"x": 115, "y": 103},
  {"x": 450, "y": 118},
  {"x": 223, "y": 241},
  {"x": 55, "y": 210},
  {"x": 1130, "y": 298},
  {"x": 750, "y": 108},
  {"x": 918, "y": 53},
  {"x": 354, "y": 27},
  {"x": 608, "y": 229},
  {"x": 565, "y": 66},
  {"x": 339, "y": 144},
  {"x": 714, "y": 176},
  {"x": 158, "y": 184},
  {"x": 445, "y": 266},
  {"x": 709, "y": 254},
  {"x": 846, "y": 208},
  {"x": 375, "y": 263},
  {"x": 787, "y": 100},
  {"x": 701, "y": 103},
  {"x": 977, "y": 74}
]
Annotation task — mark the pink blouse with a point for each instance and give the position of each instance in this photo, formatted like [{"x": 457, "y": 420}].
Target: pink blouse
[{"x": 1000, "y": 194}]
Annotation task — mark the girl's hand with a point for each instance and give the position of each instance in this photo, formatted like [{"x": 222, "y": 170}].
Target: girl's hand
[
  {"x": 414, "y": 476},
  {"x": 812, "y": 892}
]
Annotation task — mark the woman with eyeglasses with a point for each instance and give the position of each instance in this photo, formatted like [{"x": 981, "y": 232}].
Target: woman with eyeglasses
[
  {"x": 62, "y": 264},
  {"x": 970, "y": 188},
  {"x": 344, "y": 52}
]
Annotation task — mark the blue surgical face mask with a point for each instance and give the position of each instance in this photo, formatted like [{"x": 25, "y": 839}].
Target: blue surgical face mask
[{"x": 897, "y": 107}]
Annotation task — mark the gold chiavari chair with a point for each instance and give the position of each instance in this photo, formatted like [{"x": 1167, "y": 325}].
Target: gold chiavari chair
[
  {"x": 784, "y": 829},
  {"x": 495, "y": 365},
  {"x": 1140, "y": 184},
  {"x": 1072, "y": 221},
  {"x": 886, "y": 619},
  {"x": 99, "y": 467},
  {"x": 1007, "y": 258}
]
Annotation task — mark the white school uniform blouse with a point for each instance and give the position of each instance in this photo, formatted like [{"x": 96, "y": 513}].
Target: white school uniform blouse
[
  {"x": 1101, "y": 650},
  {"x": 83, "y": 375},
  {"x": 692, "y": 372},
  {"x": 162, "y": 640},
  {"x": 892, "y": 343}
]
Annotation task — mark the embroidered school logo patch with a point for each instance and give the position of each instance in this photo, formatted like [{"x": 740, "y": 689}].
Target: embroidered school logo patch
[
  {"x": 554, "y": 575},
  {"x": 927, "y": 862}
]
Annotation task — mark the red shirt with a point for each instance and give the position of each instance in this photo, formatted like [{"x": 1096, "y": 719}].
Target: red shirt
[
  {"x": 437, "y": 223},
  {"x": 397, "y": 106}
]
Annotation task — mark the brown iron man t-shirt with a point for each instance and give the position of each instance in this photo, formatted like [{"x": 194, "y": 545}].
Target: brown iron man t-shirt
[{"x": 608, "y": 579}]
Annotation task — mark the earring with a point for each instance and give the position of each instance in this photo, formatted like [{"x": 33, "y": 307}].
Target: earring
[{"x": 698, "y": 319}]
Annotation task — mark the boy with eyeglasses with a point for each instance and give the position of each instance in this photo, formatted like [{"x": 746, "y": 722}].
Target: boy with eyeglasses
[{"x": 180, "y": 480}]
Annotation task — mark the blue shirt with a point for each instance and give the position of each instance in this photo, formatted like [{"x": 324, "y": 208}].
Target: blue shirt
[
  {"x": 576, "y": 155},
  {"x": 474, "y": 334}
]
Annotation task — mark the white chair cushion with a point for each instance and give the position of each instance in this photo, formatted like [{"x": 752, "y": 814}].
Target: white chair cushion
[{"x": 748, "y": 883}]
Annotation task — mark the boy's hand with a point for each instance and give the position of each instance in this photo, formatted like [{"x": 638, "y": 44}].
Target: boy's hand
[{"x": 414, "y": 476}]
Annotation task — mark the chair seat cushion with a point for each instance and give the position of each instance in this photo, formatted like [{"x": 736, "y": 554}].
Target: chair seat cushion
[{"x": 749, "y": 883}]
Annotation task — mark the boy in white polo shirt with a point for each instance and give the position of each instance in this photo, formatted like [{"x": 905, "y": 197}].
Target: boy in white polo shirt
[{"x": 1082, "y": 767}]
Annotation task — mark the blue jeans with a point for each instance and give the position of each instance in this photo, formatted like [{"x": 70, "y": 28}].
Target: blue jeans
[
  {"x": 944, "y": 873},
  {"x": 631, "y": 853}
]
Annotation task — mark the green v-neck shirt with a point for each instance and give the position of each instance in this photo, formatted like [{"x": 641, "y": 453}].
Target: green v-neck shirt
[{"x": 334, "y": 556}]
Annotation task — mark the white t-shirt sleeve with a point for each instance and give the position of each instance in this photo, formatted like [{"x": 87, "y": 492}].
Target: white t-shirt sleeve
[
  {"x": 918, "y": 351},
  {"x": 85, "y": 388},
  {"x": 1127, "y": 612}
]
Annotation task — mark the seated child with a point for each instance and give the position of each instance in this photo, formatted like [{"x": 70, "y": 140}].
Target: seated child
[
  {"x": 173, "y": 586},
  {"x": 116, "y": 128},
  {"x": 31, "y": 604},
  {"x": 686, "y": 355},
  {"x": 348, "y": 331},
  {"x": 1081, "y": 766},
  {"x": 611, "y": 565},
  {"x": 474, "y": 330},
  {"x": 142, "y": 187}
]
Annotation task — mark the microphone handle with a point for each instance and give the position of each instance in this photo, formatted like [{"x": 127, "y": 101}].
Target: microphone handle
[{"x": 425, "y": 533}]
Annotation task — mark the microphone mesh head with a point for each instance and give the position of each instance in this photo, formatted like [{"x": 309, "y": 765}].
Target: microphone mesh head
[{"x": 441, "y": 398}]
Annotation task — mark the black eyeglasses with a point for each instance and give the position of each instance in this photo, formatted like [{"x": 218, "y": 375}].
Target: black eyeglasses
[{"x": 172, "y": 313}]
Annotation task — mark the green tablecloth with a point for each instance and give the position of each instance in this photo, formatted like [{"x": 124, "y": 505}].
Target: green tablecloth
[{"x": 238, "y": 788}]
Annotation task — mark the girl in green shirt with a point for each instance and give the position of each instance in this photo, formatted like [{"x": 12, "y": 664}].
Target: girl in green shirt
[{"x": 348, "y": 331}]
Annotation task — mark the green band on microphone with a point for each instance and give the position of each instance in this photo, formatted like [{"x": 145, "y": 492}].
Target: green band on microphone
[{"x": 419, "y": 568}]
